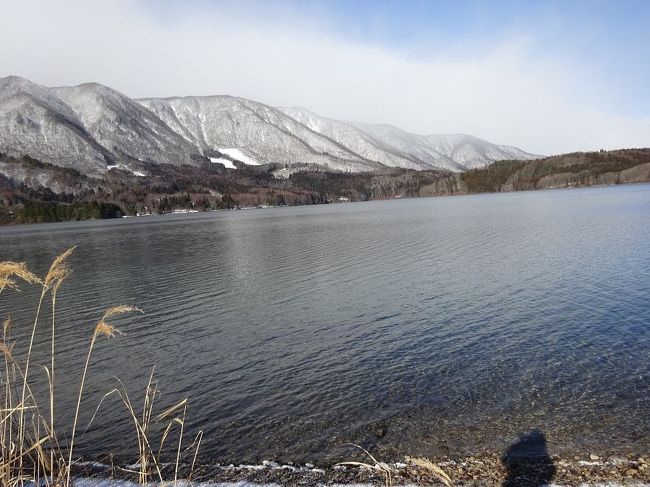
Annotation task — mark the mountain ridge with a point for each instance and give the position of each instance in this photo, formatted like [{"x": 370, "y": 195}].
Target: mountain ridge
[{"x": 92, "y": 127}]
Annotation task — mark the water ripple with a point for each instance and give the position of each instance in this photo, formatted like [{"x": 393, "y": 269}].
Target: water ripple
[{"x": 301, "y": 324}]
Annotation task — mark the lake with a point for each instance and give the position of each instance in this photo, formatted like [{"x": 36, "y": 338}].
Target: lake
[{"x": 440, "y": 326}]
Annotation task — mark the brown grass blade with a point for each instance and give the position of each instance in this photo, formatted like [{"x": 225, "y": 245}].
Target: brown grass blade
[
  {"x": 365, "y": 451},
  {"x": 59, "y": 270},
  {"x": 432, "y": 468},
  {"x": 169, "y": 411},
  {"x": 196, "y": 444},
  {"x": 6, "y": 349},
  {"x": 7, "y": 283},
  {"x": 19, "y": 270},
  {"x": 104, "y": 329},
  {"x": 121, "y": 309},
  {"x": 109, "y": 393},
  {"x": 6, "y": 326}
]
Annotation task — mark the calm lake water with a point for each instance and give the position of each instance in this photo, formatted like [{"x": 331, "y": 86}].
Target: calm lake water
[{"x": 436, "y": 326}]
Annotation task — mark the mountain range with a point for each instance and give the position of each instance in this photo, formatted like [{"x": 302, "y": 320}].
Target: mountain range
[{"x": 92, "y": 128}]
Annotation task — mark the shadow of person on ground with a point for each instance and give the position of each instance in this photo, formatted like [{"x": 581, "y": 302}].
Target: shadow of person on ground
[{"x": 527, "y": 462}]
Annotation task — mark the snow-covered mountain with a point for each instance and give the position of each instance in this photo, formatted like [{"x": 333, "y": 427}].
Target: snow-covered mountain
[
  {"x": 92, "y": 127},
  {"x": 263, "y": 133},
  {"x": 393, "y": 146},
  {"x": 459, "y": 151},
  {"x": 125, "y": 127},
  {"x": 88, "y": 127},
  {"x": 35, "y": 122},
  {"x": 356, "y": 139}
]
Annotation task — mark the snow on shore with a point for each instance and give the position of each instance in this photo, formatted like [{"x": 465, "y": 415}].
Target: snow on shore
[
  {"x": 274, "y": 474},
  {"x": 181, "y": 483},
  {"x": 243, "y": 483}
]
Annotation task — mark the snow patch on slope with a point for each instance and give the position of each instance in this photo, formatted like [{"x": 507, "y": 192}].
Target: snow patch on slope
[
  {"x": 226, "y": 162},
  {"x": 124, "y": 167},
  {"x": 238, "y": 155}
]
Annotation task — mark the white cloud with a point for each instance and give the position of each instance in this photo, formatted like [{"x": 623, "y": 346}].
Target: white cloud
[{"x": 502, "y": 94}]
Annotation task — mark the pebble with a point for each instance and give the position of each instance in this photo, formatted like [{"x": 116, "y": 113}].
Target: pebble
[
  {"x": 475, "y": 471},
  {"x": 594, "y": 457},
  {"x": 617, "y": 459}
]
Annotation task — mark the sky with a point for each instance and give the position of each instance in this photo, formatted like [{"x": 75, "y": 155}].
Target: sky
[{"x": 548, "y": 76}]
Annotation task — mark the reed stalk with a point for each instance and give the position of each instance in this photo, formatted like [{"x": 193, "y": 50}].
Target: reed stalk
[
  {"x": 101, "y": 329},
  {"x": 29, "y": 449}
]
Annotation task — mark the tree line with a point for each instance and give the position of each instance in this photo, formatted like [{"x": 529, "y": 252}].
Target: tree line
[{"x": 70, "y": 195}]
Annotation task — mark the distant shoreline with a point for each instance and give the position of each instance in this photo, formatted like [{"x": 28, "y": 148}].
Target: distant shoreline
[
  {"x": 162, "y": 188},
  {"x": 261, "y": 207}
]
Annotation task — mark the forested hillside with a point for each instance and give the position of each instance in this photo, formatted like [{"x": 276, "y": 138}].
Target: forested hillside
[
  {"x": 33, "y": 191},
  {"x": 576, "y": 169}
]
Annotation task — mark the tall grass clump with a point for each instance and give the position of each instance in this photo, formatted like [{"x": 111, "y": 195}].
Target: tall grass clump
[
  {"x": 425, "y": 468},
  {"x": 30, "y": 450}
]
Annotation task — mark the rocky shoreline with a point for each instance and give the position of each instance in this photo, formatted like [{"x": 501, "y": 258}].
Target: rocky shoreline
[{"x": 485, "y": 471}]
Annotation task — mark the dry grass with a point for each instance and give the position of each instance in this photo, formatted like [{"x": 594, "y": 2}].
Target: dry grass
[
  {"x": 11, "y": 270},
  {"x": 386, "y": 470},
  {"x": 431, "y": 468},
  {"x": 423, "y": 465},
  {"x": 29, "y": 446}
]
